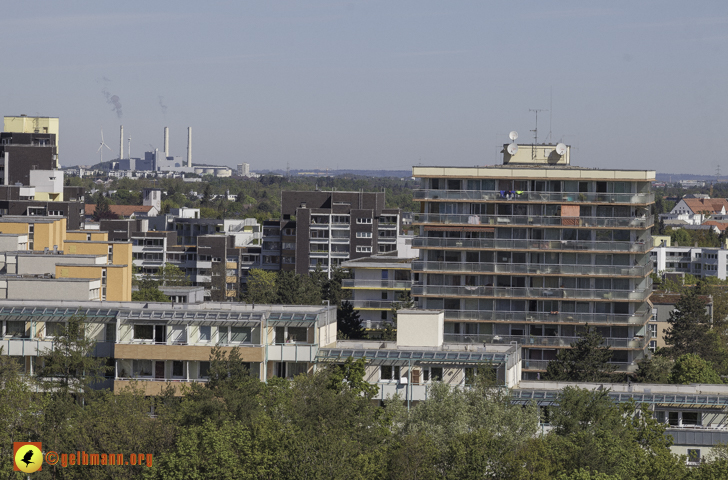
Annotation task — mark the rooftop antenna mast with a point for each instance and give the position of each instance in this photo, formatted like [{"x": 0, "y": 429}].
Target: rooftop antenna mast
[
  {"x": 551, "y": 112},
  {"x": 535, "y": 131}
]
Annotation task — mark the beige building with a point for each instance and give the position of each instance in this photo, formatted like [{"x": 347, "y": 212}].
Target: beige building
[{"x": 26, "y": 124}]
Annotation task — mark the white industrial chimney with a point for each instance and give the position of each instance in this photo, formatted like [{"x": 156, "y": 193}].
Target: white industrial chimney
[
  {"x": 189, "y": 147},
  {"x": 166, "y": 142},
  {"x": 121, "y": 143}
]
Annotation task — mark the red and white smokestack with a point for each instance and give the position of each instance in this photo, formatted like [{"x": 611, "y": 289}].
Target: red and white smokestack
[
  {"x": 189, "y": 147},
  {"x": 166, "y": 141}
]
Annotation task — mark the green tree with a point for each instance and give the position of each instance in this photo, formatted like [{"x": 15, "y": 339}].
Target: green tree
[
  {"x": 689, "y": 325},
  {"x": 218, "y": 283},
  {"x": 348, "y": 322},
  {"x": 262, "y": 287},
  {"x": 690, "y": 368},
  {"x": 655, "y": 369},
  {"x": 349, "y": 376},
  {"x": 586, "y": 361},
  {"x": 173, "y": 276},
  {"x": 148, "y": 292},
  {"x": 102, "y": 210}
]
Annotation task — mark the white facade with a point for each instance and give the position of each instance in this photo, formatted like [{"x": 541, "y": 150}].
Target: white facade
[{"x": 697, "y": 261}]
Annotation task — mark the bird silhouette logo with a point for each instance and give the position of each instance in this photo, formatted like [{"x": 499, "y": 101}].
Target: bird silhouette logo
[{"x": 27, "y": 457}]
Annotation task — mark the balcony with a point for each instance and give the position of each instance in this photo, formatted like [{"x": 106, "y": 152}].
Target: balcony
[
  {"x": 376, "y": 284},
  {"x": 549, "y": 318},
  {"x": 560, "y": 245},
  {"x": 25, "y": 347},
  {"x": 555, "y": 197},
  {"x": 534, "y": 341},
  {"x": 530, "y": 292},
  {"x": 534, "y": 220},
  {"x": 292, "y": 352},
  {"x": 540, "y": 269},
  {"x": 371, "y": 304},
  {"x": 542, "y": 365}
]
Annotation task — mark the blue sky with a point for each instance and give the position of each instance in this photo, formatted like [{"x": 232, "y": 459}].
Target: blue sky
[{"x": 376, "y": 84}]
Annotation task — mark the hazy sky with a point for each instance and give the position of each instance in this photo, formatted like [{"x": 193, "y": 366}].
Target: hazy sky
[{"x": 376, "y": 84}]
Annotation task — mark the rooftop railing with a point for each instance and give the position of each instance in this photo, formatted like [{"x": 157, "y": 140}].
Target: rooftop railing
[
  {"x": 557, "y": 197},
  {"x": 373, "y": 304},
  {"x": 610, "y": 270},
  {"x": 530, "y": 292},
  {"x": 542, "y": 365},
  {"x": 549, "y": 317},
  {"x": 500, "y": 244},
  {"x": 534, "y": 220}
]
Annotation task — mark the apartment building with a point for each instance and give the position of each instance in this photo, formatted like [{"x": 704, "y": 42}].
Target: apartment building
[
  {"x": 158, "y": 343},
  {"x": 332, "y": 227},
  {"x": 534, "y": 250},
  {"x": 663, "y": 304},
  {"x": 379, "y": 281},
  {"x": 700, "y": 262}
]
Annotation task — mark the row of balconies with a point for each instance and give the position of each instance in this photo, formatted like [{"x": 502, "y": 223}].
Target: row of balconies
[
  {"x": 542, "y": 365},
  {"x": 549, "y": 317},
  {"x": 557, "y": 197},
  {"x": 534, "y": 220},
  {"x": 530, "y": 292},
  {"x": 501, "y": 244},
  {"x": 376, "y": 284},
  {"x": 541, "y": 341},
  {"x": 533, "y": 269}
]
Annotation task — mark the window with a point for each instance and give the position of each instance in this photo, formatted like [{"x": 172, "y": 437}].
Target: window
[
  {"x": 110, "y": 334},
  {"x": 240, "y": 335},
  {"x": 363, "y": 220},
  {"x": 653, "y": 330},
  {"x": 432, "y": 374},
  {"x": 653, "y": 345},
  {"x": 205, "y": 333},
  {"x": 469, "y": 375},
  {"x": 363, "y": 249},
  {"x": 143, "y": 332},
  {"x": 385, "y": 295},
  {"x": 384, "y": 315},
  {"x": 204, "y": 370},
  {"x": 178, "y": 369},
  {"x": 142, "y": 368},
  {"x": 363, "y": 234},
  {"x": 54, "y": 329},
  {"x": 389, "y": 373},
  {"x": 693, "y": 455},
  {"x": 15, "y": 329}
]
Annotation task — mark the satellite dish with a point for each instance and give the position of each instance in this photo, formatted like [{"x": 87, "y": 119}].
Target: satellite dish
[
  {"x": 513, "y": 135},
  {"x": 512, "y": 149},
  {"x": 561, "y": 149}
]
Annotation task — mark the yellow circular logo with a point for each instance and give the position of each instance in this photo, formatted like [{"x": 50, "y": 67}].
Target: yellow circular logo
[{"x": 28, "y": 458}]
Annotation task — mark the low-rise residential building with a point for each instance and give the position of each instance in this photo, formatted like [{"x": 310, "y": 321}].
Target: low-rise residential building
[
  {"x": 663, "y": 305},
  {"x": 700, "y": 262},
  {"x": 694, "y": 211},
  {"x": 156, "y": 343}
]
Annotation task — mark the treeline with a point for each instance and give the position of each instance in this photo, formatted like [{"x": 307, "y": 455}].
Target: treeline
[
  {"x": 259, "y": 198},
  {"x": 327, "y": 425}
]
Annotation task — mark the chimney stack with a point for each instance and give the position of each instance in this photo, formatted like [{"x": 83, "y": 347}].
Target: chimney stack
[
  {"x": 189, "y": 147},
  {"x": 121, "y": 143},
  {"x": 166, "y": 142}
]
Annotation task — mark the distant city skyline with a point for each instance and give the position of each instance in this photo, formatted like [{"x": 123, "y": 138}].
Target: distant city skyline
[{"x": 376, "y": 85}]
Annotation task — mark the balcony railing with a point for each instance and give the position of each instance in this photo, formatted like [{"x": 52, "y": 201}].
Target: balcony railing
[
  {"x": 534, "y": 220},
  {"x": 618, "y": 270},
  {"x": 543, "y": 365},
  {"x": 529, "y": 340},
  {"x": 557, "y": 197},
  {"x": 376, "y": 284},
  {"x": 373, "y": 304},
  {"x": 547, "y": 317},
  {"x": 499, "y": 244},
  {"x": 530, "y": 292}
]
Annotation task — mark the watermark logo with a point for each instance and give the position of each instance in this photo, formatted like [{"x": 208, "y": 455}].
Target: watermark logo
[{"x": 27, "y": 456}]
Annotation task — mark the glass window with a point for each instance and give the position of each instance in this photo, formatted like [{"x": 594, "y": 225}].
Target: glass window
[
  {"x": 142, "y": 368},
  {"x": 388, "y": 372},
  {"x": 15, "y": 329},
  {"x": 54, "y": 329},
  {"x": 240, "y": 334},
  {"x": 204, "y": 369},
  {"x": 205, "y": 333},
  {"x": 297, "y": 335},
  {"x": 143, "y": 332},
  {"x": 110, "y": 334},
  {"x": 177, "y": 368}
]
